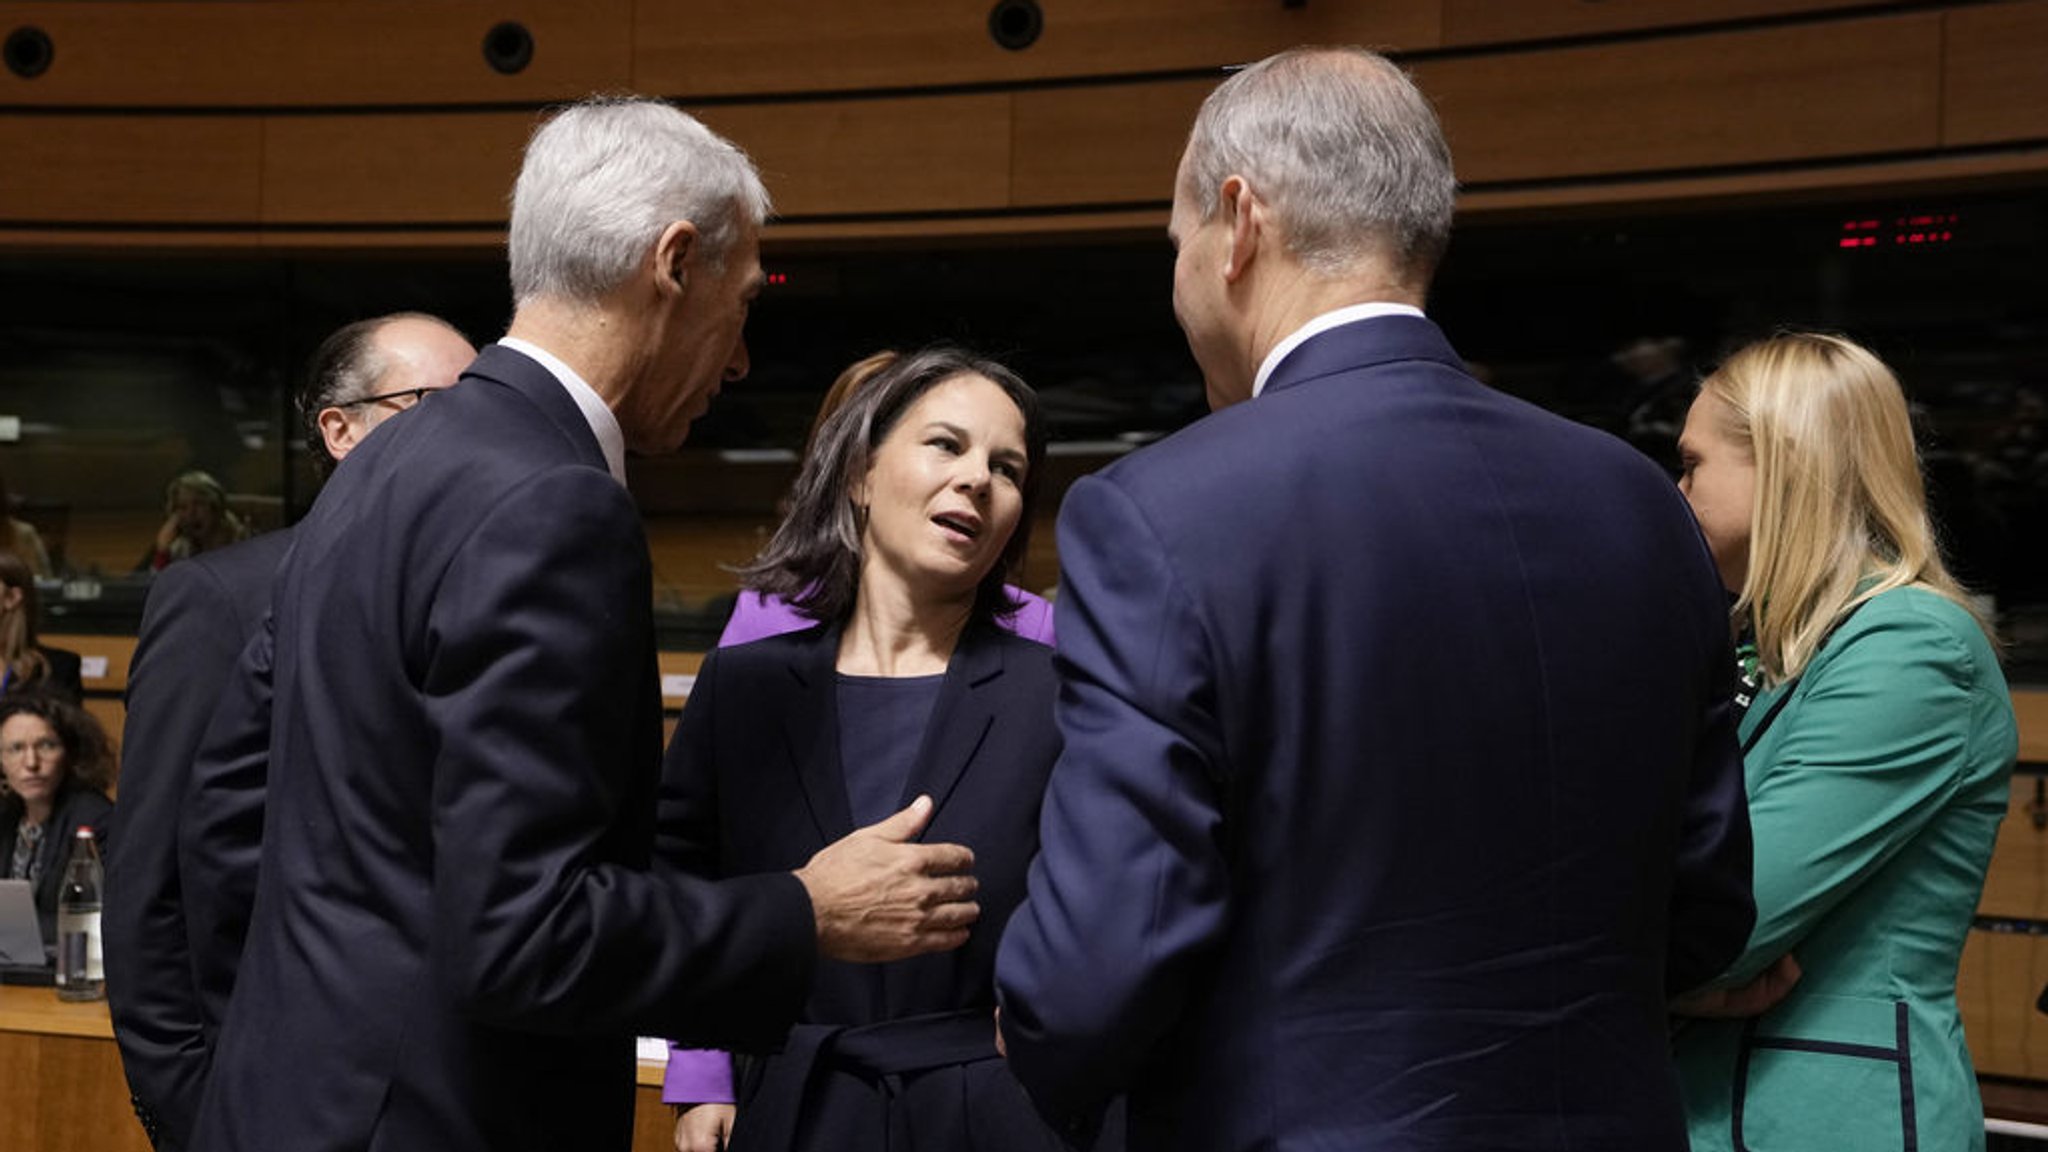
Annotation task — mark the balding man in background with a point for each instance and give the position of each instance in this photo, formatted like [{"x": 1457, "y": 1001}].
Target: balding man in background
[
  {"x": 458, "y": 929},
  {"x": 1399, "y": 785},
  {"x": 199, "y": 615}
]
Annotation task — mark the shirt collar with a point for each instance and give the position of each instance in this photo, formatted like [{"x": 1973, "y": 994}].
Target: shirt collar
[
  {"x": 1321, "y": 324},
  {"x": 605, "y": 426}
]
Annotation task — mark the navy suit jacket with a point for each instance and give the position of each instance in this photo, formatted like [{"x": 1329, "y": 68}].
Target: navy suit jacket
[
  {"x": 200, "y": 613},
  {"x": 456, "y": 930},
  {"x": 754, "y": 782},
  {"x": 1398, "y": 786}
]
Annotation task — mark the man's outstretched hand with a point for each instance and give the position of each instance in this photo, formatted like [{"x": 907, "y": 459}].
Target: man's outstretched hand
[{"x": 879, "y": 897}]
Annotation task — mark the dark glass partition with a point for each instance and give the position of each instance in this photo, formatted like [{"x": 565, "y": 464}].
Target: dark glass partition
[{"x": 117, "y": 372}]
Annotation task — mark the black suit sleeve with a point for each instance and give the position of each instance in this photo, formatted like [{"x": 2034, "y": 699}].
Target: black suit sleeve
[
  {"x": 187, "y": 647},
  {"x": 539, "y": 663},
  {"x": 1712, "y": 911},
  {"x": 220, "y": 826},
  {"x": 686, "y": 834}
]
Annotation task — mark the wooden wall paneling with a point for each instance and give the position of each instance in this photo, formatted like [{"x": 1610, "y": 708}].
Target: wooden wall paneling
[
  {"x": 2030, "y": 708},
  {"x": 740, "y": 47},
  {"x": 84, "y": 1098},
  {"x": 392, "y": 168},
  {"x": 902, "y": 154},
  {"x": 21, "y": 1108},
  {"x": 2000, "y": 977},
  {"x": 1118, "y": 37},
  {"x": 1995, "y": 82},
  {"x": 64, "y": 1093},
  {"x": 61, "y": 1085},
  {"x": 1103, "y": 144},
  {"x": 1109, "y": 225},
  {"x": 2017, "y": 884},
  {"x": 1780, "y": 94},
  {"x": 283, "y": 240},
  {"x": 92, "y": 168},
  {"x": 678, "y": 672},
  {"x": 1506, "y": 21},
  {"x": 315, "y": 52},
  {"x": 693, "y": 556},
  {"x": 111, "y": 655},
  {"x": 1777, "y": 187},
  {"x": 654, "y": 1125}
]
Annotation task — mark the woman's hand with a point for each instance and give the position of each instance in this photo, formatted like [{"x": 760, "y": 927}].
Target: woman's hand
[
  {"x": 703, "y": 1127},
  {"x": 1755, "y": 998}
]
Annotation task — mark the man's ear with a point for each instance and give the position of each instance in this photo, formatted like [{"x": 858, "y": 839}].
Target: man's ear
[
  {"x": 337, "y": 430},
  {"x": 672, "y": 256},
  {"x": 1246, "y": 214}
]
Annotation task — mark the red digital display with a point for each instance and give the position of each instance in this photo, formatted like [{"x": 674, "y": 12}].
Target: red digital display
[{"x": 1905, "y": 230}]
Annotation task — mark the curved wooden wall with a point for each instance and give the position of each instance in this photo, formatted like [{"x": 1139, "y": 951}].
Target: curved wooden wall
[{"x": 227, "y": 123}]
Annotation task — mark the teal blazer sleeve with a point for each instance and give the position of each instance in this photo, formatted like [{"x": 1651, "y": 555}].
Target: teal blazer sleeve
[{"x": 1873, "y": 745}]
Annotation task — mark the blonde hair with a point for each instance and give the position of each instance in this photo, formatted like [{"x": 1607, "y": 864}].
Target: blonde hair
[
  {"x": 1840, "y": 514},
  {"x": 19, "y": 654}
]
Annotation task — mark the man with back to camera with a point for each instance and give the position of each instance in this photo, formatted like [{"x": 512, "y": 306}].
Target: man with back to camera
[
  {"x": 198, "y": 617},
  {"x": 1399, "y": 786},
  {"x": 457, "y": 932}
]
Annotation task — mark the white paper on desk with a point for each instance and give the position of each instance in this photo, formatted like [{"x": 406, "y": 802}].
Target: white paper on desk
[
  {"x": 92, "y": 667},
  {"x": 677, "y": 684},
  {"x": 653, "y": 1050}
]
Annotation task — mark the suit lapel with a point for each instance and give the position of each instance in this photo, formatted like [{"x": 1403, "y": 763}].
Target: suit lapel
[
  {"x": 811, "y": 736},
  {"x": 961, "y": 719}
]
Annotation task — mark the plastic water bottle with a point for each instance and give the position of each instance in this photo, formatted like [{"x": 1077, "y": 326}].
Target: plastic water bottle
[{"x": 81, "y": 970}]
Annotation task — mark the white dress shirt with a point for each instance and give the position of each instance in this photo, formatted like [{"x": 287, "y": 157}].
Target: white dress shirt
[
  {"x": 605, "y": 426},
  {"x": 1321, "y": 324}
]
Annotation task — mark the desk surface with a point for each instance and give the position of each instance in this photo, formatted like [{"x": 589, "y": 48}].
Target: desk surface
[{"x": 38, "y": 1011}]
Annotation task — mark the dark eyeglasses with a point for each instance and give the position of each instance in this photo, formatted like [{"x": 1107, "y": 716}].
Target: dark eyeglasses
[{"x": 415, "y": 393}]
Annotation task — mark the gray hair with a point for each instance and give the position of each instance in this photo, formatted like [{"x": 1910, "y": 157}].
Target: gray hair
[
  {"x": 1343, "y": 146},
  {"x": 604, "y": 177}
]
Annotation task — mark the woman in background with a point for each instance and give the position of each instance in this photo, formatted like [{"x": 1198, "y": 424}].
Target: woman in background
[
  {"x": 25, "y": 664},
  {"x": 196, "y": 519},
  {"x": 902, "y": 525},
  {"x": 57, "y": 769},
  {"x": 21, "y": 538},
  {"x": 1876, "y": 751}
]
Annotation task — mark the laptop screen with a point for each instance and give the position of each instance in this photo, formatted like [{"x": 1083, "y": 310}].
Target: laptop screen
[{"x": 21, "y": 938}]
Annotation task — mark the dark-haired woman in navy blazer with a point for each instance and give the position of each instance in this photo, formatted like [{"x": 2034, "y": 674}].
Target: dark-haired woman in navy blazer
[{"x": 903, "y": 524}]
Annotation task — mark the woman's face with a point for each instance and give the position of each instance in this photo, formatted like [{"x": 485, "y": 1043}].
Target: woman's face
[
  {"x": 945, "y": 488},
  {"x": 1719, "y": 481},
  {"x": 33, "y": 758},
  {"x": 195, "y": 513}
]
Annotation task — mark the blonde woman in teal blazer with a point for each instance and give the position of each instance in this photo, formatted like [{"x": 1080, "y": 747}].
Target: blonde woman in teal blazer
[{"x": 1877, "y": 751}]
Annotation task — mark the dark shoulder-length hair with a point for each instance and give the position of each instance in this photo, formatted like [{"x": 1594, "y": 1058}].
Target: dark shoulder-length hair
[
  {"x": 813, "y": 562},
  {"x": 88, "y": 756}
]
